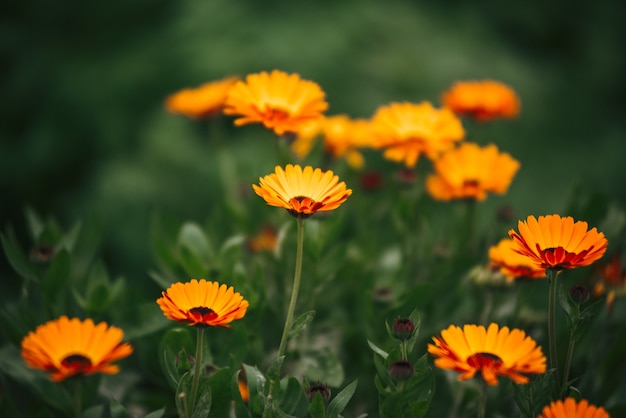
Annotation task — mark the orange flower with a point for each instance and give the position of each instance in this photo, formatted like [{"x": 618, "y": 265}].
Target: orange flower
[
  {"x": 406, "y": 130},
  {"x": 203, "y": 101},
  {"x": 305, "y": 138},
  {"x": 470, "y": 172},
  {"x": 493, "y": 352},
  {"x": 483, "y": 100},
  {"x": 280, "y": 101},
  {"x": 266, "y": 240},
  {"x": 303, "y": 192},
  {"x": 512, "y": 264},
  {"x": 570, "y": 408},
  {"x": 611, "y": 280},
  {"x": 343, "y": 137},
  {"x": 558, "y": 243},
  {"x": 70, "y": 347},
  {"x": 202, "y": 303}
]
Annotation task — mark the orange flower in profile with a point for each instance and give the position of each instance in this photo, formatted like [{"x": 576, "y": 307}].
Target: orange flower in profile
[
  {"x": 482, "y": 100},
  {"x": 202, "y": 303},
  {"x": 266, "y": 240},
  {"x": 470, "y": 172},
  {"x": 512, "y": 264},
  {"x": 203, "y": 101},
  {"x": 406, "y": 130},
  {"x": 557, "y": 243},
  {"x": 280, "y": 101},
  {"x": 303, "y": 192},
  {"x": 493, "y": 352},
  {"x": 70, "y": 347},
  {"x": 611, "y": 280},
  {"x": 570, "y": 408}
]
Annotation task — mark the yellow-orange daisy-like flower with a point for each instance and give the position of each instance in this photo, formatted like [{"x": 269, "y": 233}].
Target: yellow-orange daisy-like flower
[
  {"x": 493, "y": 352},
  {"x": 482, "y": 100},
  {"x": 202, "y": 303},
  {"x": 557, "y": 243},
  {"x": 407, "y": 130},
  {"x": 303, "y": 192},
  {"x": 203, "y": 101},
  {"x": 470, "y": 172},
  {"x": 512, "y": 264},
  {"x": 67, "y": 347},
  {"x": 282, "y": 102},
  {"x": 570, "y": 408}
]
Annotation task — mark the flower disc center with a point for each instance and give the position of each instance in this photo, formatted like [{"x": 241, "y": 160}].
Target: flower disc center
[
  {"x": 484, "y": 360},
  {"x": 76, "y": 362},
  {"x": 202, "y": 314}
]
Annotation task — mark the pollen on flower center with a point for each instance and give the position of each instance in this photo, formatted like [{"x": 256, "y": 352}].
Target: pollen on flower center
[
  {"x": 276, "y": 114},
  {"x": 76, "y": 362},
  {"x": 484, "y": 360},
  {"x": 202, "y": 313}
]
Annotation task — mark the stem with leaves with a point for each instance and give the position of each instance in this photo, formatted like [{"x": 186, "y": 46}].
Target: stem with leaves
[{"x": 197, "y": 370}]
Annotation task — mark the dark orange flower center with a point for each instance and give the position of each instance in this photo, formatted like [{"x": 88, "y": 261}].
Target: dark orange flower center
[
  {"x": 76, "y": 363},
  {"x": 484, "y": 361},
  {"x": 303, "y": 207},
  {"x": 275, "y": 115},
  {"x": 558, "y": 258},
  {"x": 202, "y": 314}
]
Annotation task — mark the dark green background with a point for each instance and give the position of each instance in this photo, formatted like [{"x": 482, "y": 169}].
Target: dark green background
[{"x": 83, "y": 130}]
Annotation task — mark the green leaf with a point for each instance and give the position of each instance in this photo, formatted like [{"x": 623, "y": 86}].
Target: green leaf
[
  {"x": 339, "y": 402},
  {"x": 256, "y": 383},
  {"x": 376, "y": 349},
  {"x": 221, "y": 395},
  {"x": 183, "y": 397},
  {"x": 156, "y": 414},
  {"x": 34, "y": 223},
  {"x": 56, "y": 282},
  {"x": 292, "y": 396},
  {"x": 241, "y": 410},
  {"x": 16, "y": 257},
  {"x": 174, "y": 343},
  {"x": 317, "y": 409},
  {"x": 300, "y": 324},
  {"x": 194, "y": 250},
  {"x": 117, "y": 410},
  {"x": 272, "y": 385}
]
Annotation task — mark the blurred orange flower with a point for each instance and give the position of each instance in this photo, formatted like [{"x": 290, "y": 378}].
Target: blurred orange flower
[
  {"x": 203, "y": 101},
  {"x": 282, "y": 102},
  {"x": 406, "y": 130},
  {"x": 570, "y": 408},
  {"x": 470, "y": 172},
  {"x": 512, "y": 264},
  {"x": 493, "y": 352},
  {"x": 202, "y": 303},
  {"x": 611, "y": 280},
  {"x": 303, "y": 192},
  {"x": 266, "y": 240},
  {"x": 344, "y": 136},
  {"x": 70, "y": 347},
  {"x": 482, "y": 100},
  {"x": 557, "y": 243}
]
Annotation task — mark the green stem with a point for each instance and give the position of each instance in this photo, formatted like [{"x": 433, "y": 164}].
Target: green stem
[
  {"x": 403, "y": 349},
  {"x": 78, "y": 396},
  {"x": 196, "y": 371},
  {"x": 482, "y": 399},
  {"x": 554, "y": 361},
  {"x": 568, "y": 358},
  {"x": 294, "y": 291}
]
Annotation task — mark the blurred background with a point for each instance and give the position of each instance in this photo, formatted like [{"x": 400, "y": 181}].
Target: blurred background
[{"x": 83, "y": 130}]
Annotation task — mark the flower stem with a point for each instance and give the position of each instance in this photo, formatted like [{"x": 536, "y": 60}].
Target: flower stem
[
  {"x": 482, "y": 399},
  {"x": 78, "y": 396},
  {"x": 196, "y": 371},
  {"x": 294, "y": 291},
  {"x": 554, "y": 361},
  {"x": 568, "y": 358}
]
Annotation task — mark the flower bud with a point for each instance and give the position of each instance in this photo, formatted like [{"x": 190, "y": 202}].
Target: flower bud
[
  {"x": 402, "y": 328},
  {"x": 579, "y": 293},
  {"x": 401, "y": 370},
  {"x": 318, "y": 387}
]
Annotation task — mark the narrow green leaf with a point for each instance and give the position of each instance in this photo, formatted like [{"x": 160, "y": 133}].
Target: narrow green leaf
[
  {"x": 339, "y": 402},
  {"x": 156, "y": 414},
  {"x": 34, "y": 223},
  {"x": 174, "y": 343},
  {"x": 317, "y": 409},
  {"x": 300, "y": 324},
  {"x": 16, "y": 257},
  {"x": 376, "y": 349},
  {"x": 221, "y": 395}
]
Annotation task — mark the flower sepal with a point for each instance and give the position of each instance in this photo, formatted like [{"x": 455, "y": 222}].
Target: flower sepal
[{"x": 580, "y": 315}]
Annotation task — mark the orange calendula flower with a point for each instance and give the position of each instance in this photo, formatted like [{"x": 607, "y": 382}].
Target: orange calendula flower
[
  {"x": 406, "y": 130},
  {"x": 203, "y": 101},
  {"x": 303, "y": 192},
  {"x": 611, "y": 281},
  {"x": 202, "y": 303},
  {"x": 493, "y": 352},
  {"x": 70, "y": 347},
  {"x": 282, "y": 102},
  {"x": 470, "y": 172},
  {"x": 570, "y": 408},
  {"x": 557, "y": 243},
  {"x": 512, "y": 264},
  {"x": 266, "y": 240},
  {"x": 482, "y": 100},
  {"x": 343, "y": 137}
]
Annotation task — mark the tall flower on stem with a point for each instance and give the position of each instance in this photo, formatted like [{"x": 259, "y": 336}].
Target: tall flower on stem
[
  {"x": 201, "y": 304},
  {"x": 302, "y": 192},
  {"x": 70, "y": 348},
  {"x": 282, "y": 102},
  {"x": 557, "y": 243},
  {"x": 492, "y": 351}
]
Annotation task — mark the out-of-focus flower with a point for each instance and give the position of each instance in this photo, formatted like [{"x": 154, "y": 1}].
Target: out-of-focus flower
[
  {"x": 203, "y": 101},
  {"x": 303, "y": 192},
  {"x": 343, "y": 137},
  {"x": 242, "y": 384},
  {"x": 202, "y": 303},
  {"x": 305, "y": 138},
  {"x": 557, "y": 243},
  {"x": 282, "y": 102},
  {"x": 611, "y": 280},
  {"x": 482, "y": 100},
  {"x": 371, "y": 181},
  {"x": 70, "y": 347},
  {"x": 512, "y": 264},
  {"x": 570, "y": 408},
  {"x": 266, "y": 240},
  {"x": 493, "y": 352},
  {"x": 470, "y": 172},
  {"x": 406, "y": 131}
]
